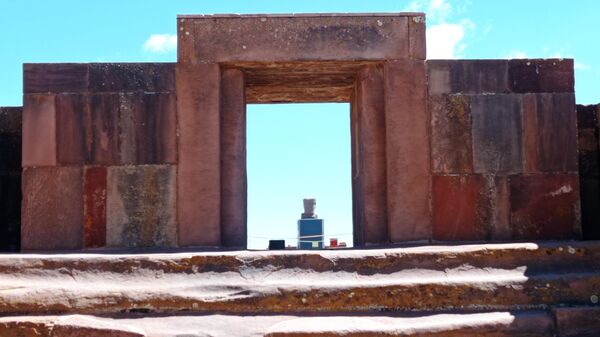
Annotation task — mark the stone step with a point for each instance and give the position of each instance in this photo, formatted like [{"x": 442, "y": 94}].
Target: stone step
[
  {"x": 496, "y": 324},
  {"x": 258, "y": 283}
]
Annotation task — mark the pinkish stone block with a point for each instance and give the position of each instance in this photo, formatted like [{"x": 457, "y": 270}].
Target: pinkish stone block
[
  {"x": 416, "y": 37},
  {"x": 52, "y": 213},
  {"x": 199, "y": 169},
  {"x": 407, "y": 151},
  {"x": 73, "y": 126},
  {"x": 39, "y": 130}
]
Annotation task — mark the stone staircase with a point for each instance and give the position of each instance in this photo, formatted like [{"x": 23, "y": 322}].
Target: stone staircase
[{"x": 520, "y": 289}]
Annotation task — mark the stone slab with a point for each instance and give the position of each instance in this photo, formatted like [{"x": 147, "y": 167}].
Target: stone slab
[
  {"x": 52, "y": 213},
  {"x": 467, "y": 76},
  {"x": 550, "y": 133},
  {"x": 451, "y": 141},
  {"x": 416, "y": 35},
  {"x": 370, "y": 206},
  {"x": 407, "y": 151},
  {"x": 74, "y": 129},
  {"x": 233, "y": 159},
  {"x": 131, "y": 77},
  {"x": 104, "y": 133},
  {"x": 199, "y": 154},
  {"x": 460, "y": 208},
  {"x": 545, "y": 207},
  {"x": 577, "y": 322},
  {"x": 541, "y": 75},
  {"x": 140, "y": 210},
  {"x": 496, "y": 131},
  {"x": 302, "y": 38},
  {"x": 94, "y": 206},
  {"x": 39, "y": 131},
  {"x": 55, "y": 77}
]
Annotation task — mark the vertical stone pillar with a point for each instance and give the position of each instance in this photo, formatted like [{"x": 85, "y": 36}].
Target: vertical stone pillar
[
  {"x": 233, "y": 159},
  {"x": 407, "y": 151},
  {"x": 369, "y": 177},
  {"x": 199, "y": 169}
]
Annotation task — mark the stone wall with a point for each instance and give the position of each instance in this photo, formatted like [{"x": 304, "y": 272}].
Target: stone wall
[
  {"x": 589, "y": 169},
  {"x": 10, "y": 178},
  {"x": 99, "y": 155},
  {"x": 504, "y": 150}
]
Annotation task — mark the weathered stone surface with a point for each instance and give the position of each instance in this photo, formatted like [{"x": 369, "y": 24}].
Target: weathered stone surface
[
  {"x": 199, "y": 153},
  {"x": 545, "y": 206},
  {"x": 460, "y": 208},
  {"x": 52, "y": 215},
  {"x": 74, "y": 129},
  {"x": 498, "y": 189},
  {"x": 467, "y": 76},
  {"x": 65, "y": 326},
  {"x": 55, "y": 77},
  {"x": 589, "y": 161},
  {"x": 541, "y": 75},
  {"x": 39, "y": 130},
  {"x": 206, "y": 38},
  {"x": 104, "y": 147},
  {"x": 416, "y": 37},
  {"x": 132, "y": 77},
  {"x": 577, "y": 322},
  {"x": 550, "y": 133},
  {"x": 407, "y": 151},
  {"x": 370, "y": 205},
  {"x": 590, "y": 212},
  {"x": 94, "y": 206},
  {"x": 451, "y": 142},
  {"x": 496, "y": 131},
  {"x": 141, "y": 206},
  {"x": 233, "y": 159}
]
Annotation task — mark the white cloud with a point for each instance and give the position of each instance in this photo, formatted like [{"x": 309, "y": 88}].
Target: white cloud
[
  {"x": 444, "y": 41},
  {"x": 161, "y": 43},
  {"x": 581, "y": 66}
]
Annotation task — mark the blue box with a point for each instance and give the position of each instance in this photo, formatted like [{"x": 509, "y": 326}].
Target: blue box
[{"x": 310, "y": 234}]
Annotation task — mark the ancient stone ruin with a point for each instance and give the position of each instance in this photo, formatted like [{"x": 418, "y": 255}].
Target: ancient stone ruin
[{"x": 153, "y": 155}]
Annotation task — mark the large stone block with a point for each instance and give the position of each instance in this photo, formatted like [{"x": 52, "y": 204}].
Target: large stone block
[
  {"x": 132, "y": 77},
  {"x": 536, "y": 75},
  {"x": 545, "y": 206},
  {"x": 416, "y": 36},
  {"x": 233, "y": 159},
  {"x": 52, "y": 213},
  {"x": 467, "y": 76},
  {"x": 74, "y": 135},
  {"x": 55, "y": 78},
  {"x": 141, "y": 206},
  {"x": 39, "y": 130},
  {"x": 589, "y": 161},
  {"x": 496, "y": 131},
  {"x": 370, "y": 201},
  {"x": 460, "y": 208},
  {"x": 407, "y": 151},
  {"x": 316, "y": 37},
  {"x": 104, "y": 128},
  {"x": 199, "y": 154},
  {"x": 498, "y": 189},
  {"x": 550, "y": 133},
  {"x": 94, "y": 206},
  {"x": 451, "y": 142}
]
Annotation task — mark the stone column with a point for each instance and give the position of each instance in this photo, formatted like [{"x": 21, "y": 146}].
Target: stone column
[
  {"x": 233, "y": 159},
  {"x": 368, "y": 139},
  {"x": 199, "y": 153}
]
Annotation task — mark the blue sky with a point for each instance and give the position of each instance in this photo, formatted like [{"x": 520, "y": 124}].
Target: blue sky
[{"x": 143, "y": 31}]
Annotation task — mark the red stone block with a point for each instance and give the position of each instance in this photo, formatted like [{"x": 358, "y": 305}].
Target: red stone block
[
  {"x": 451, "y": 143},
  {"x": 104, "y": 136},
  {"x": 233, "y": 159},
  {"x": 460, "y": 208},
  {"x": 52, "y": 213},
  {"x": 199, "y": 168},
  {"x": 141, "y": 206},
  {"x": 536, "y": 75},
  {"x": 370, "y": 208},
  {"x": 39, "y": 130},
  {"x": 94, "y": 206},
  {"x": 550, "y": 133},
  {"x": 132, "y": 77},
  {"x": 467, "y": 76},
  {"x": 407, "y": 151},
  {"x": 55, "y": 78},
  {"x": 545, "y": 206},
  {"x": 73, "y": 129},
  {"x": 310, "y": 38},
  {"x": 496, "y": 131},
  {"x": 578, "y": 321},
  {"x": 416, "y": 37}
]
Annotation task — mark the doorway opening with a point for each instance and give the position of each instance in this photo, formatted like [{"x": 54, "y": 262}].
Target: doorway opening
[{"x": 297, "y": 151}]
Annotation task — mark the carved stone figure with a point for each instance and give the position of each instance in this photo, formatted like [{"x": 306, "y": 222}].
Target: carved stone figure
[{"x": 309, "y": 208}]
